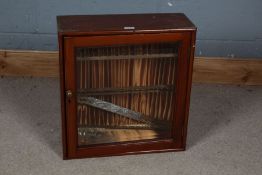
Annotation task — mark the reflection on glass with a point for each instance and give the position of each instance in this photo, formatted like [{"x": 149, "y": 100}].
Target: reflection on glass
[{"x": 125, "y": 92}]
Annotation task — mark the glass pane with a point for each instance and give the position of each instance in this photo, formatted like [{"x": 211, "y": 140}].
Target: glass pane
[{"x": 124, "y": 92}]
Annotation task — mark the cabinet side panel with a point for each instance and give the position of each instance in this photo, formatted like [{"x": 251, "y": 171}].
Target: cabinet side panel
[
  {"x": 189, "y": 85},
  {"x": 181, "y": 89}
]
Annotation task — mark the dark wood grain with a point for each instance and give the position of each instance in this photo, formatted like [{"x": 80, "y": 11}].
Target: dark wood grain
[
  {"x": 62, "y": 95},
  {"x": 189, "y": 84},
  {"x": 125, "y": 23}
]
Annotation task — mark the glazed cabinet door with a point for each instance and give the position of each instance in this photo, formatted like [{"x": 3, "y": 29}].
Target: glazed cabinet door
[{"x": 125, "y": 94}]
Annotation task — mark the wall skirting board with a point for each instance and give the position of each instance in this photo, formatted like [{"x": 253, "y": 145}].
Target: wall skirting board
[{"x": 206, "y": 69}]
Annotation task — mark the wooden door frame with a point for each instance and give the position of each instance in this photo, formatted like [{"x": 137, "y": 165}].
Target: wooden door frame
[{"x": 182, "y": 92}]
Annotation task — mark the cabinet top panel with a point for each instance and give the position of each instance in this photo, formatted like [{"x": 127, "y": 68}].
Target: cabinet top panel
[{"x": 124, "y": 23}]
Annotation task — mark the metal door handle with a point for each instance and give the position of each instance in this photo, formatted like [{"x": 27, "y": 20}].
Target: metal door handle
[{"x": 69, "y": 93}]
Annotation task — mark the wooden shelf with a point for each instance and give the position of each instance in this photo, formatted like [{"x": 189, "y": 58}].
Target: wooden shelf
[
  {"x": 126, "y": 57},
  {"x": 127, "y": 90}
]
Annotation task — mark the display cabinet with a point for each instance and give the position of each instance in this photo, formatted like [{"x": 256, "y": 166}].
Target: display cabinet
[{"x": 125, "y": 83}]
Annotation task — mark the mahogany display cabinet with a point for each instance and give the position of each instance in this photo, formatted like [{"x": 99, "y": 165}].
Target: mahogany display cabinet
[{"x": 125, "y": 83}]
